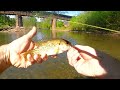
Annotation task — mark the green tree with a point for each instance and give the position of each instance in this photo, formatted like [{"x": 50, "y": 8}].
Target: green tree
[
  {"x": 113, "y": 20},
  {"x": 6, "y": 21},
  {"x": 29, "y": 22},
  {"x": 104, "y": 19},
  {"x": 60, "y": 23},
  {"x": 45, "y": 24}
]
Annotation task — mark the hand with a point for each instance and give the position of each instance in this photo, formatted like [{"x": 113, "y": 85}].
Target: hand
[
  {"x": 21, "y": 45},
  {"x": 85, "y": 60}
]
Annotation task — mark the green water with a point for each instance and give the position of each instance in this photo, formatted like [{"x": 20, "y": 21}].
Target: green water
[{"x": 59, "y": 68}]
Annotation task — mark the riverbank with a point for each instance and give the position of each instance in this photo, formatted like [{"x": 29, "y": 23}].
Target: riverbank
[
  {"x": 13, "y": 29},
  {"x": 114, "y": 34},
  {"x": 104, "y": 33}
]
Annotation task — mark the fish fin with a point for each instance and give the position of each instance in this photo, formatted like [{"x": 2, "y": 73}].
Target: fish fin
[{"x": 31, "y": 52}]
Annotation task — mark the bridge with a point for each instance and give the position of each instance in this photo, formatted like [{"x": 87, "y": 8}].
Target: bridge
[{"x": 19, "y": 14}]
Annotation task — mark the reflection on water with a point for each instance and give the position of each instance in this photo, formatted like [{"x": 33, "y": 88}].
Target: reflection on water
[
  {"x": 7, "y": 37},
  {"x": 39, "y": 36},
  {"x": 59, "y": 68}
]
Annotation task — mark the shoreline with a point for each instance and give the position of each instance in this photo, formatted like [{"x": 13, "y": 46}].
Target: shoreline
[
  {"x": 22, "y": 29},
  {"x": 13, "y": 29}
]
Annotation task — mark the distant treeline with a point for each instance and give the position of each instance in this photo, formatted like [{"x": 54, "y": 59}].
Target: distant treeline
[{"x": 104, "y": 19}]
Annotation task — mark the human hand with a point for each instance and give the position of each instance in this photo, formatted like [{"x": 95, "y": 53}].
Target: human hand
[
  {"x": 21, "y": 45},
  {"x": 85, "y": 60}
]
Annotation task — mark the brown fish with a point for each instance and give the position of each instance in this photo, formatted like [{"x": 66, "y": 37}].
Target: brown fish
[{"x": 50, "y": 47}]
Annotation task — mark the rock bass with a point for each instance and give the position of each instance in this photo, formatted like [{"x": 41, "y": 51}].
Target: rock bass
[{"x": 49, "y": 47}]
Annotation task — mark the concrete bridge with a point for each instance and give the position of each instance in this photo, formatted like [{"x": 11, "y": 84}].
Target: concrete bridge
[{"x": 19, "y": 14}]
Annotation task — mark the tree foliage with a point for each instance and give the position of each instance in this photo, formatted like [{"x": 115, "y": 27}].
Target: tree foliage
[
  {"x": 29, "y": 22},
  {"x": 60, "y": 23},
  {"x": 6, "y": 21},
  {"x": 45, "y": 23},
  {"x": 105, "y": 19}
]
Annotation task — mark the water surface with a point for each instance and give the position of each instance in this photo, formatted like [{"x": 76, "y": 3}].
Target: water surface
[{"x": 59, "y": 68}]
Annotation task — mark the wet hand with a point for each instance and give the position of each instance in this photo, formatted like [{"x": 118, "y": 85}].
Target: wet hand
[
  {"x": 21, "y": 45},
  {"x": 85, "y": 60}
]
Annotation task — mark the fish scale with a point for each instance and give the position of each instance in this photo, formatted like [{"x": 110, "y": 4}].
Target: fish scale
[{"x": 49, "y": 47}]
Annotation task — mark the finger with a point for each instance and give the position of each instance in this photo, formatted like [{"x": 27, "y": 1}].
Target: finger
[
  {"x": 28, "y": 63},
  {"x": 70, "y": 52},
  {"x": 32, "y": 33},
  {"x": 17, "y": 64},
  {"x": 17, "y": 60},
  {"x": 78, "y": 67},
  {"x": 45, "y": 57},
  {"x": 32, "y": 44},
  {"x": 22, "y": 63},
  {"x": 71, "y": 55},
  {"x": 30, "y": 58},
  {"x": 75, "y": 57},
  {"x": 86, "y": 49},
  {"x": 87, "y": 52},
  {"x": 14, "y": 60},
  {"x": 39, "y": 61},
  {"x": 37, "y": 58}
]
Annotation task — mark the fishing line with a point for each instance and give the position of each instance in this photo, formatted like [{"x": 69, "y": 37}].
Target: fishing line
[{"x": 95, "y": 26}]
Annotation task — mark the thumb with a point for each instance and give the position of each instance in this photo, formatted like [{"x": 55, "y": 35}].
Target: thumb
[{"x": 31, "y": 33}]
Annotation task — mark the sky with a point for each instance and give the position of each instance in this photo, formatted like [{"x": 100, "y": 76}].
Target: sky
[
  {"x": 73, "y": 13},
  {"x": 70, "y": 13}
]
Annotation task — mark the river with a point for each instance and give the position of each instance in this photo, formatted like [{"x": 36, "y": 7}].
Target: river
[{"x": 59, "y": 68}]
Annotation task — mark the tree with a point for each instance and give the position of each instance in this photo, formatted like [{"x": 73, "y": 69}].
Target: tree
[
  {"x": 6, "y": 21},
  {"x": 60, "y": 23},
  {"x": 29, "y": 22},
  {"x": 49, "y": 15},
  {"x": 45, "y": 24},
  {"x": 103, "y": 19}
]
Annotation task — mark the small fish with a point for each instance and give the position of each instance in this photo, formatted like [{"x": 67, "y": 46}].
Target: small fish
[{"x": 50, "y": 47}]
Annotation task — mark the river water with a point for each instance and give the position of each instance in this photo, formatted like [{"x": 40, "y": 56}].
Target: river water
[{"x": 59, "y": 68}]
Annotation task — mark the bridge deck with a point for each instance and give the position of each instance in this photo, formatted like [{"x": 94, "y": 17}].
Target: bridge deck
[
  {"x": 19, "y": 15},
  {"x": 22, "y": 13},
  {"x": 29, "y": 13}
]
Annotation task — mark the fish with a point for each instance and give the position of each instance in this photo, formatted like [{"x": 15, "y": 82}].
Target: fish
[{"x": 50, "y": 47}]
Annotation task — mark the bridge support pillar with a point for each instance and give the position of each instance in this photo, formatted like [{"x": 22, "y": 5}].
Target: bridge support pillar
[
  {"x": 19, "y": 22},
  {"x": 54, "y": 21}
]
